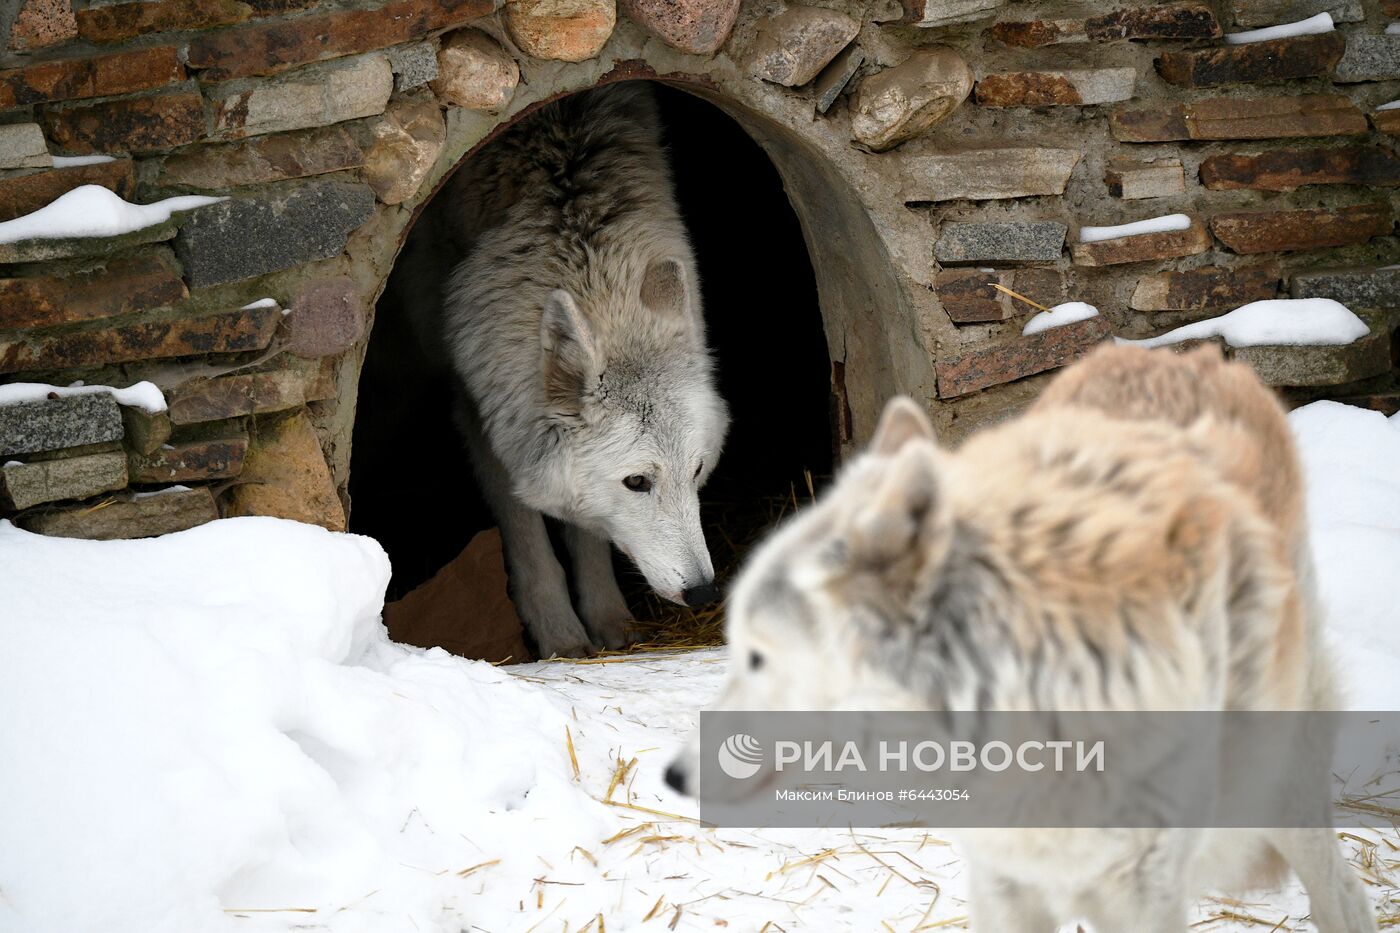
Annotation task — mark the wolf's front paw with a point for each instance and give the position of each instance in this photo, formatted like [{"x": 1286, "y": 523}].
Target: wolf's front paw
[
  {"x": 566, "y": 649},
  {"x": 552, "y": 624},
  {"x": 610, "y": 625}
]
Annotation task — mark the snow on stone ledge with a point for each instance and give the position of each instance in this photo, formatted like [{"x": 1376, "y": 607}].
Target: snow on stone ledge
[
  {"x": 74, "y": 161},
  {"x": 1136, "y": 228},
  {"x": 1070, "y": 312},
  {"x": 143, "y": 395},
  {"x": 1298, "y": 322},
  {"x": 1394, "y": 104},
  {"x": 1312, "y": 26},
  {"x": 93, "y": 211}
]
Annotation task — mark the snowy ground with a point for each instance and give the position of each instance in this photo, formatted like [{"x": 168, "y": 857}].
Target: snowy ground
[{"x": 208, "y": 731}]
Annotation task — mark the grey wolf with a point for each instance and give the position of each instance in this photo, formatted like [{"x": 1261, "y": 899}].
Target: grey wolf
[
  {"x": 572, "y": 319},
  {"x": 1134, "y": 541}
]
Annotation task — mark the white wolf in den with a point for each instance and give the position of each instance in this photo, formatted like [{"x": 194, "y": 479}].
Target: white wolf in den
[
  {"x": 1135, "y": 541},
  {"x": 572, "y": 319}
]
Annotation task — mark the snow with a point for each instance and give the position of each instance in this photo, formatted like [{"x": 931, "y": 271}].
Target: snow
[
  {"x": 90, "y": 211},
  {"x": 1311, "y": 26},
  {"x": 1059, "y": 316},
  {"x": 74, "y": 161},
  {"x": 1394, "y": 104},
  {"x": 1136, "y": 228},
  {"x": 1393, "y": 29},
  {"x": 1297, "y": 322},
  {"x": 260, "y": 303},
  {"x": 143, "y": 395},
  {"x": 209, "y": 731}
]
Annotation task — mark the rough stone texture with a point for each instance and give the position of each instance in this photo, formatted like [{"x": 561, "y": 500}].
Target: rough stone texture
[
  {"x": 1355, "y": 288},
  {"x": 1277, "y": 231},
  {"x": 414, "y": 65},
  {"x": 1043, "y": 286},
  {"x": 121, "y": 287},
  {"x": 269, "y": 47},
  {"x": 835, "y": 77},
  {"x": 475, "y": 72},
  {"x": 221, "y": 332},
  {"x": 1319, "y": 366},
  {"x": 326, "y": 318},
  {"x": 1032, "y": 34},
  {"x": 1018, "y": 357},
  {"x": 314, "y": 96},
  {"x": 988, "y": 174},
  {"x": 285, "y": 475},
  {"x": 1386, "y": 121},
  {"x": 899, "y": 103},
  {"x": 41, "y": 23},
  {"x": 792, "y": 47},
  {"x": 1275, "y": 60},
  {"x": 1370, "y": 58},
  {"x": 282, "y": 227},
  {"x": 1254, "y": 13},
  {"x": 1158, "y": 178},
  {"x": 123, "y": 21},
  {"x": 219, "y": 456},
  {"x": 28, "y": 484},
  {"x": 561, "y": 30},
  {"x": 1036, "y": 241},
  {"x": 1209, "y": 288},
  {"x": 970, "y": 296},
  {"x": 1289, "y": 169},
  {"x": 22, "y": 146},
  {"x": 229, "y": 396},
  {"x": 698, "y": 27},
  {"x": 945, "y": 12},
  {"x": 1192, "y": 20},
  {"x": 58, "y": 423},
  {"x": 1056, "y": 88},
  {"x": 145, "y": 430},
  {"x": 1240, "y": 118},
  {"x": 1169, "y": 244},
  {"x": 128, "y": 124},
  {"x": 144, "y": 517},
  {"x": 24, "y": 194},
  {"x": 262, "y": 159},
  {"x": 41, "y": 249},
  {"x": 406, "y": 144},
  {"x": 100, "y": 76}
]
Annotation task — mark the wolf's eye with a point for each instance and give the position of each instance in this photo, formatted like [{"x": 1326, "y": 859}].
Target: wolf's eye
[
  {"x": 637, "y": 483},
  {"x": 755, "y": 660},
  {"x": 699, "y": 469}
]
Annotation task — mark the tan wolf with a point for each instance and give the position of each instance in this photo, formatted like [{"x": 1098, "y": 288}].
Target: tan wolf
[{"x": 1134, "y": 541}]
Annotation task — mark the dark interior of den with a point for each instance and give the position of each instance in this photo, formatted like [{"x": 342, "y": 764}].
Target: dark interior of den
[{"x": 412, "y": 486}]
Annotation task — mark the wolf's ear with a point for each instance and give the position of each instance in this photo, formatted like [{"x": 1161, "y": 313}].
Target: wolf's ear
[
  {"x": 903, "y": 527},
  {"x": 666, "y": 289},
  {"x": 901, "y": 421},
  {"x": 569, "y": 358}
]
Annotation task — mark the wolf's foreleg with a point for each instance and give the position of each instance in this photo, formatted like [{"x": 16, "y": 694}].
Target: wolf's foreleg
[
  {"x": 1001, "y": 905},
  {"x": 1339, "y": 903},
  {"x": 600, "y": 603}
]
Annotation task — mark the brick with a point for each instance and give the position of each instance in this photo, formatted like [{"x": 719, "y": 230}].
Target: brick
[
  {"x": 474, "y": 71},
  {"x": 140, "y": 516},
  {"x": 145, "y": 430},
  {"x": 1209, "y": 288},
  {"x": 1276, "y": 231},
  {"x": 22, "y": 145},
  {"x": 23, "y": 485},
  {"x": 569, "y": 32},
  {"x": 42, "y": 23},
  {"x": 1370, "y": 58},
  {"x": 24, "y": 194},
  {"x": 233, "y": 395},
  {"x": 1018, "y": 241},
  {"x": 1169, "y": 244},
  {"x": 219, "y": 456},
  {"x": 698, "y": 27},
  {"x": 318, "y": 95},
  {"x": 100, "y": 76},
  {"x": 1194, "y": 20},
  {"x": 1355, "y": 288},
  {"x": 262, "y": 159},
  {"x": 1018, "y": 358},
  {"x": 129, "y": 124},
  {"x": 987, "y": 174},
  {"x": 267, "y": 48},
  {"x": 1158, "y": 178},
  {"x": 1056, "y": 88},
  {"x": 1275, "y": 60},
  {"x": 1321, "y": 365},
  {"x": 285, "y": 475},
  {"x": 792, "y": 47},
  {"x": 1289, "y": 169},
  {"x": 969, "y": 296},
  {"x": 1252, "y": 13},
  {"x": 1032, "y": 34},
  {"x": 59, "y": 423},
  {"x": 1225, "y": 118},
  {"x": 899, "y": 103},
  {"x": 123, "y": 21},
  {"x": 220, "y": 332},
  {"x": 927, "y": 13},
  {"x": 124, "y": 285},
  {"x": 248, "y": 236}
]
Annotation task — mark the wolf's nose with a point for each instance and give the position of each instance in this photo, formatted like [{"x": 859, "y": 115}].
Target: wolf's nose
[
  {"x": 675, "y": 778},
  {"x": 700, "y": 595}
]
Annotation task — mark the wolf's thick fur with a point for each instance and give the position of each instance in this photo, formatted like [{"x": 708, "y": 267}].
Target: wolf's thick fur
[
  {"x": 572, "y": 318},
  {"x": 1135, "y": 541}
]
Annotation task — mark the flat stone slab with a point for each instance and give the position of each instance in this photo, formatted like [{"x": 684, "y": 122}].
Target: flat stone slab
[
  {"x": 1319, "y": 366},
  {"x": 1169, "y": 244},
  {"x": 1274, "y": 60},
  {"x": 1209, "y": 288},
  {"x": 255, "y": 393},
  {"x": 1355, "y": 288},
  {"x": 927, "y": 13},
  {"x": 148, "y": 123},
  {"x": 87, "y": 247},
  {"x": 1222, "y": 118},
  {"x": 205, "y": 458},
  {"x": 28, "y": 484},
  {"x": 1063, "y": 88},
  {"x": 131, "y": 517},
  {"x": 318, "y": 95},
  {"x": 285, "y": 475},
  {"x": 22, "y": 145},
  {"x": 987, "y": 174},
  {"x": 1370, "y": 58},
  {"x": 970, "y": 296},
  {"x": 1254, "y": 13},
  {"x": 1278, "y": 231},
  {"x": 25, "y": 194},
  {"x": 792, "y": 47},
  {"x": 1190, "y": 20},
  {"x": 1133, "y": 181},
  {"x": 59, "y": 423},
  {"x": 1019, "y": 357},
  {"x": 1024, "y": 241},
  {"x": 1290, "y": 169},
  {"x": 122, "y": 286},
  {"x": 262, "y": 159}
]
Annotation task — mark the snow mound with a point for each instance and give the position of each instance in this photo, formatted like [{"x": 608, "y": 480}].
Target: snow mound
[
  {"x": 1060, "y": 315},
  {"x": 1161, "y": 224},
  {"x": 143, "y": 395},
  {"x": 1312, "y": 26},
  {"x": 93, "y": 211},
  {"x": 1296, "y": 322}
]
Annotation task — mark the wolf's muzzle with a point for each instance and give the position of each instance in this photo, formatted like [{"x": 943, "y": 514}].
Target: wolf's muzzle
[{"x": 701, "y": 595}]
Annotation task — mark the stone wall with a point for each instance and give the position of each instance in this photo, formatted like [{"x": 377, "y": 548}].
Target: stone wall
[{"x": 932, "y": 149}]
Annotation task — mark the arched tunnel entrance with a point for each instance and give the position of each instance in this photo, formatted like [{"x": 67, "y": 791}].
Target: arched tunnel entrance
[{"x": 411, "y": 482}]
